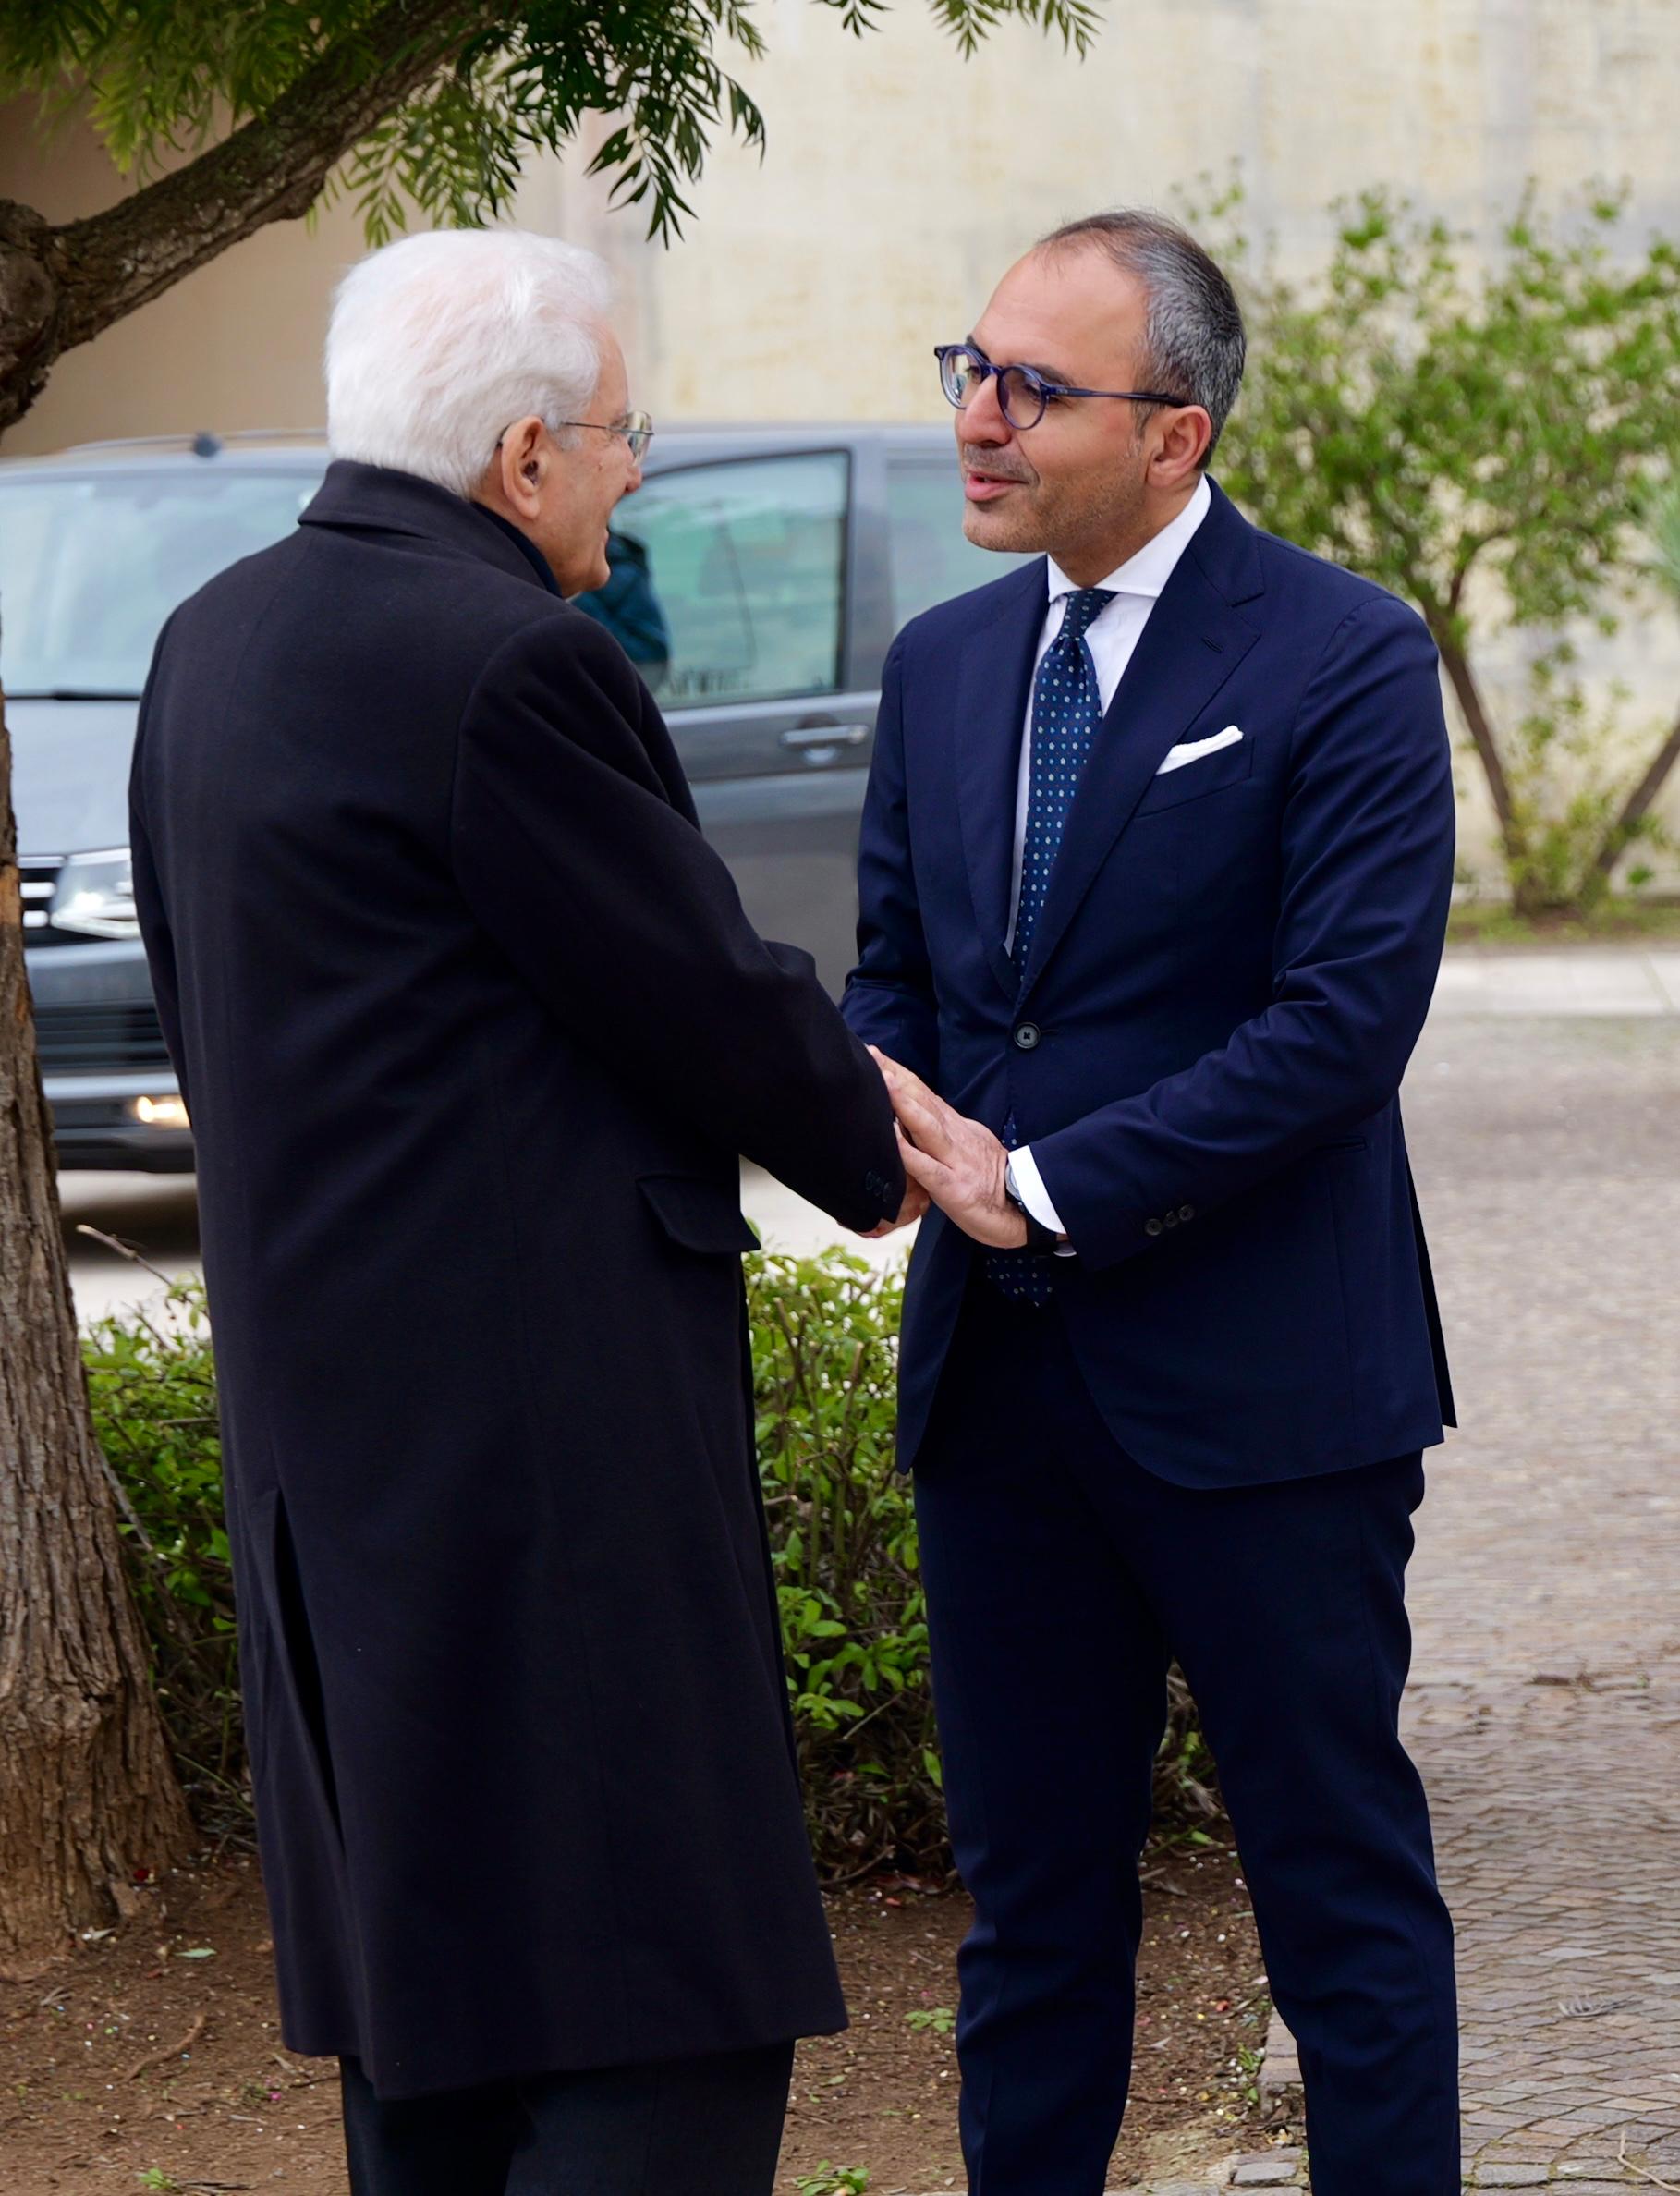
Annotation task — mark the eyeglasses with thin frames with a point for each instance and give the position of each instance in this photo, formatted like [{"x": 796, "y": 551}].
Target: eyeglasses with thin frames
[
  {"x": 636, "y": 428},
  {"x": 1023, "y": 394}
]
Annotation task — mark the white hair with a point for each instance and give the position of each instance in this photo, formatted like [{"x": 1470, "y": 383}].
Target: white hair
[{"x": 440, "y": 342}]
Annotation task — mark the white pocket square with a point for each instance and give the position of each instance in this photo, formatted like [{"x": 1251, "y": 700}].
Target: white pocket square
[{"x": 1193, "y": 751}]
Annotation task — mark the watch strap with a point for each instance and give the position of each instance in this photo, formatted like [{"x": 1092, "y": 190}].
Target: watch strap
[{"x": 1042, "y": 1241}]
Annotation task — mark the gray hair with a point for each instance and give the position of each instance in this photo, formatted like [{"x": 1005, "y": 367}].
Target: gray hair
[
  {"x": 438, "y": 343},
  {"x": 1193, "y": 328}
]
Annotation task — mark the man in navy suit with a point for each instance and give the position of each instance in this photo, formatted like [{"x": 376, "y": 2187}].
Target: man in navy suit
[{"x": 1154, "y": 877}]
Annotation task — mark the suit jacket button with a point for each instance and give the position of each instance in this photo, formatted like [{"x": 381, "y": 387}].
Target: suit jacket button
[
  {"x": 1187, "y": 1211},
  {"x": 1169, "y": 1219},
  {"x": 1151, "y": 1227},
  {"x": 1026, "y": 1036}
]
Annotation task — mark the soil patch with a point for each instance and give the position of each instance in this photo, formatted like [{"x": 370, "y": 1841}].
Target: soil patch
[
  {"x": 152, "y": 2058},
  {"x": 883, "y": 2096}
]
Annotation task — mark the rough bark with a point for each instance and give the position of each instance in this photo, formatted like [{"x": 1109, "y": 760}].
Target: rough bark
[
  {"x": 88, "y": 1793},
  {"x": 62, "y": 287}
]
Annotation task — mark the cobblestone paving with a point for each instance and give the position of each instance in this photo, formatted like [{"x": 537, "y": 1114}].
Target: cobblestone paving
[
  {"x": 1545, "y": 1708},
  {"x": 1545, "y": 1704}
]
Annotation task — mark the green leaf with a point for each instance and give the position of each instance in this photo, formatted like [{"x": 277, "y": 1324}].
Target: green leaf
[{"x": 160, "y": 78}]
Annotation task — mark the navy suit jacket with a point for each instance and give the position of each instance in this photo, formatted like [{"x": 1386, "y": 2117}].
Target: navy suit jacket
[{"x": 1231, "y": 968}]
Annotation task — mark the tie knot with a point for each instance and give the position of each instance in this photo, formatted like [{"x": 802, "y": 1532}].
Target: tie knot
[{"x": 1083, "y": 605}]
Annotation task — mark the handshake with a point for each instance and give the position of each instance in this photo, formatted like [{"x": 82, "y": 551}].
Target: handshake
[{"x": 949, "y": 1161}]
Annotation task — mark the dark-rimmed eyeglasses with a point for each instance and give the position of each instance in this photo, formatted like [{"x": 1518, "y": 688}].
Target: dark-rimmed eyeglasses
[
  {"x": 636, "y": 428},
  {"x": 1023, "y": 394}
]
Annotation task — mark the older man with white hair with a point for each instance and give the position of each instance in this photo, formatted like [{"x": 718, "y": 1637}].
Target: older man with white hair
[{"x": 472, "y": 1030}]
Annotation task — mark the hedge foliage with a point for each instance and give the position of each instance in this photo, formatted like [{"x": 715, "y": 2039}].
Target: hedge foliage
[
  {"x": 843, "y": 1540},
  {"x": 153, "y": 1384}
]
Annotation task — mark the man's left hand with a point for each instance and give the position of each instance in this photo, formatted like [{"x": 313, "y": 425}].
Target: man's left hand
[{"x": 959, "y": 1163}]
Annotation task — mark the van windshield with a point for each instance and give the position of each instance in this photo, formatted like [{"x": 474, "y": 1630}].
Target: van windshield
[{"x": 91, "y": 564}]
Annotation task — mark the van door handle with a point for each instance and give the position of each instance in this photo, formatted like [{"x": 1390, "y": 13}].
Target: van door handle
[{"x": 812, "y": 737}]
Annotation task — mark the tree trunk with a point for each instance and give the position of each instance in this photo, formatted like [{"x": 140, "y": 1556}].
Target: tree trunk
[
  {"x": 1456, "y": 664},
  {"x": 88, "y": 1793},
  {"x": 62, "y": 287},
  {"x": 1639, "y": 801}
]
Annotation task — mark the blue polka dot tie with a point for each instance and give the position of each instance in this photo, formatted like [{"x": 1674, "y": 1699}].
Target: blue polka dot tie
[{"x": 1067, "y": 711}]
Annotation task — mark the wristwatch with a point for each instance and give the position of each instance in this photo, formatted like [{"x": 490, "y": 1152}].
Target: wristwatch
[{"x": 1042, "y": 1241}]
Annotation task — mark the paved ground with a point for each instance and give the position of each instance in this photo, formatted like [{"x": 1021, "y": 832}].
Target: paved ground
[
  {"x": 1546, "y": 1596},
  {"x": 1563, "y": 981},
  {"x": 156, "y": 1214},
  {"x": 1545, "y": 1707}
]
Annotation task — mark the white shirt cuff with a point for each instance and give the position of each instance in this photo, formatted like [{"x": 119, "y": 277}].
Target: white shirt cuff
[{"x": 1029, "y": 1188}]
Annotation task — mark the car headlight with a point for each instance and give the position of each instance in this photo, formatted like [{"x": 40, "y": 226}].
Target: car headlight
[
  {"x": 95, "y": 896},
  {"x": 161, "y": 1113}
]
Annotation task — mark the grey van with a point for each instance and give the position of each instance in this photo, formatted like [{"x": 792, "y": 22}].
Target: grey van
[{"x": 758, "y": 578}]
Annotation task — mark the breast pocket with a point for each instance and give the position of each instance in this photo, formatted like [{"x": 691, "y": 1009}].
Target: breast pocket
[{"x": 1198, "y": 775}]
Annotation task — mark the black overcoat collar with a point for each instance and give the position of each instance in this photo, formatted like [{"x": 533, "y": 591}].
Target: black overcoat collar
[
  {"x": 1194, "y": 639},
  {"x": 377, "y": 499}
]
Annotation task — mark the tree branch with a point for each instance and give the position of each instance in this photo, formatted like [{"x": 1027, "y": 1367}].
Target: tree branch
[
  {"x": 61, "y": 287},
  {"x": 1639, "y": 802},
  {"x": 1456, "y": 664},
  {"x": 1470, "y": 547}
]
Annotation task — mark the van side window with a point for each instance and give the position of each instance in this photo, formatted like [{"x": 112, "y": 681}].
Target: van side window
[
  {"x": 933, "y": 559},
  {"x": 91, "y": 564},
  {"x": 728, "y": 579}
]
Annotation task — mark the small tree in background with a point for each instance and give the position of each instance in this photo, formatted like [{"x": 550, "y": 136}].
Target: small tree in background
[
  {"x": 1487, "y": 446},
  {"x": 1664, "y": 519},
  {"x": 433, "y": 102}
]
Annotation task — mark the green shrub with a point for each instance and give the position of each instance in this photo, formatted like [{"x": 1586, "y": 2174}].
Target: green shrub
[
  {"x": 152, "y": 1380},
  {"x": 843, "y": 1540},
  {"x": 842, "y": 1543},
  {"x": 1486, "y": 427}
]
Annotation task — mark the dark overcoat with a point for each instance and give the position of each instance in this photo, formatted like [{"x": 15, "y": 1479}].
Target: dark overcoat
[{"x": 472, "y": 1029}]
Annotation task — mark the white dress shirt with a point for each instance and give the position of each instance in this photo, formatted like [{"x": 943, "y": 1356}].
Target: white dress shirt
[{"x": 1111, "y": 636}]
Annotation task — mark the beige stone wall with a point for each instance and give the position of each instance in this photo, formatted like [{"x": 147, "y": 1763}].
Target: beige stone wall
[{"x": 900, "y": 180}]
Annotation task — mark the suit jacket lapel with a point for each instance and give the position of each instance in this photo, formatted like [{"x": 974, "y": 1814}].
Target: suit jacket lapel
[
  {"x": 1192, "y": 643},
  {"x": 992, "y": 689}
]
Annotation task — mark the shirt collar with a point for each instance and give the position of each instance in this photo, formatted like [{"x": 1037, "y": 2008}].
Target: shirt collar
[
  {"x": 539, "y": 562},
  {"x": 1148, "y": 571}
]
